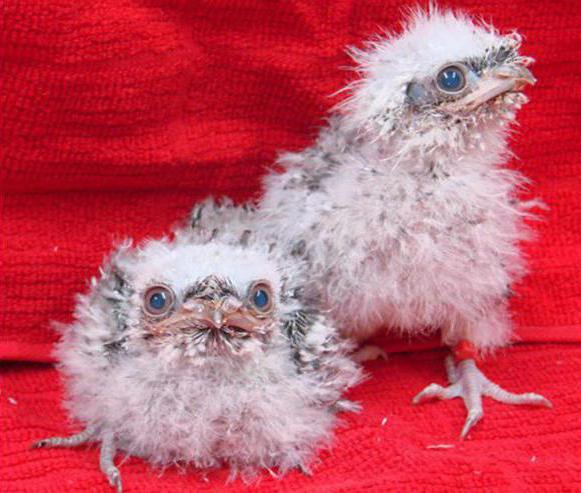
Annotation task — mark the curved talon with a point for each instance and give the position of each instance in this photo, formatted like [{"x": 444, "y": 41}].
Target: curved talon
[
  {"x": 474, "y": 415},
  {"x": 435, "y": 391},
  {"x": 114, "y": 478},
  {"x": 430, "y": 392},
  {"x": 540, "y": 400},
  {"x": 469, "y": 383}
]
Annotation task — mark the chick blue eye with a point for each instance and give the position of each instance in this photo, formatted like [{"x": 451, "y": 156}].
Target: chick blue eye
[
  {"x": 158, "y": 300},
  {"x": 260, "y": 297},
  {"x": 451, "y": 79}
]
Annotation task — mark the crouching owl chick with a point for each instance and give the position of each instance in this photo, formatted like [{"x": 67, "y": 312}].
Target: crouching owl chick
[
  {"x": 404, "y": 207},
  {"x": 201, "y": 352}
]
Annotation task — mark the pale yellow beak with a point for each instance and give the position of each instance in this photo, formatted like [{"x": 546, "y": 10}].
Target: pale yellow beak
[{"x": 498, "y": 81}]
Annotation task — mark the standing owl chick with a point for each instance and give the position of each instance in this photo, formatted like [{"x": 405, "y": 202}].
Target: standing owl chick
[
  {"x": 404, "y": 207},
  {"x": 200, "y": 352}
]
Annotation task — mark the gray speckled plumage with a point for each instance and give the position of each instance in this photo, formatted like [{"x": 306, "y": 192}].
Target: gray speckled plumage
[
  {"x": 212, "y": 380},
  {"x": 404, "y": 208}
]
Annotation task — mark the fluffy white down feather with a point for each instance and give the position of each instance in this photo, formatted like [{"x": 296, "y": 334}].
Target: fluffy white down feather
[
  {"x": 268, "y": 408},
  {"x": 407, "y": 216}
]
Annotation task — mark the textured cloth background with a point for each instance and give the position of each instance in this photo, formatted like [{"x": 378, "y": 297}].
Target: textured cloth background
[
  {"x": 390, "y": 446},
  {"x": 118, "y": 114}
]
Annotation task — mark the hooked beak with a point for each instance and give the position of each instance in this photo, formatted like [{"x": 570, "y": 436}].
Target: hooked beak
[{"x": 500, "y": 80}]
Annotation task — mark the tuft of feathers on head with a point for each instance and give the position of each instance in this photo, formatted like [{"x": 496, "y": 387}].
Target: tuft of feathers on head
[
  {"x": 251, "y": 389},
  {"x": 410, "y": 218},
  {"x": 429, "y": 40}
]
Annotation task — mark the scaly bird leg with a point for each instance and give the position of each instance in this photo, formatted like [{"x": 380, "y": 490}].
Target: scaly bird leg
[
  {"x": 469, "y": 383},
  {"x": 106, "y": 463},
  {"x": 106, "y": 457},
  {"x": 65, "y": 442}
]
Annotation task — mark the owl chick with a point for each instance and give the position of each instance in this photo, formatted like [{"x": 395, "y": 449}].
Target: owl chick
[
  {"x": 404, "y": 207},
  {"x": 198, "y": 351}
]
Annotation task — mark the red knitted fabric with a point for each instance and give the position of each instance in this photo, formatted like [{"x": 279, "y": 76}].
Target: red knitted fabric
[
  {"x": 390, "y": 446},
  {"x": 118, "y": 115}
]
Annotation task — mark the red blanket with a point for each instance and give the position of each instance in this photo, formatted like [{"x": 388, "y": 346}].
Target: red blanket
[{"x": 118, "y": 115}]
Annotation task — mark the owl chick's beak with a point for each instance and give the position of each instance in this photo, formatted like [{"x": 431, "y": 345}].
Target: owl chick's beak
[
  {"x": 503, "y": 79},
  {"x": 215, "y": 314}
]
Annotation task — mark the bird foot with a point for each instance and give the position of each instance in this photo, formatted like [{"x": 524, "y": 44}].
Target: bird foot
[
  {"x": 469, "y": 383},
  {"x": 106, "y": 456},
  {"x": 65, "y": 442},
  {"x": 369, "y": 353}
]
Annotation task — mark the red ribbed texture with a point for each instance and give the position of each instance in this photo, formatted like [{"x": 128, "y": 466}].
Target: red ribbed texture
[
  {"x": 118, "y": 115},
  {"x": 390, "y": 446}
]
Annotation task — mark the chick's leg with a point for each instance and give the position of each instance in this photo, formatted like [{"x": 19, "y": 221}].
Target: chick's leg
[
  {"x": 63, "y": 442},
  {"x": 106, "y": 457},
  {"x": 469, "y": 383},
  {"x": 106, "y": 463}
]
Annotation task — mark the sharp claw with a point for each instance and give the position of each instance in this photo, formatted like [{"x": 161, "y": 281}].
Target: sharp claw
[
  {"x": 115, "y": 480},
  {"x": 538, "y": 400},
  {"x": 431, "y": 391},
  {"x": 38, "y": 444},
  {"x": 473, "y": 417},
  {"x": 546, "y": 402},
  {"x": 305, "y": 470}
]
